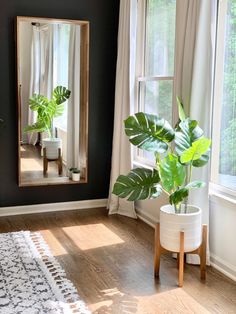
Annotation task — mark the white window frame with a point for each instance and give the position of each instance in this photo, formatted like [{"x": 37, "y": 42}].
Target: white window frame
[
  {"x": 215, "y": 188},
  {"x": 140, "y": 78}
]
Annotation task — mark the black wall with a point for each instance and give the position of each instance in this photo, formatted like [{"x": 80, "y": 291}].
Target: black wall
[{"x": 103, "y": 17}]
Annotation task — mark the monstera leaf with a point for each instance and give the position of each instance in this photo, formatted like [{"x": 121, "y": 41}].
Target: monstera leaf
[
  {"x": 172, "y": 172},
  {"x": 149, "y": 132},
  {"x": 202, "y": 161},
  {"x": 47, "y": 110},
  {"x": 61, "y": 94},
  {"x": 195, "y": 185},
  {"x": 54, "y": 110},
  {"x": 186, "y": 133},
  {"x": 36, "y": 127},
  {"x": 38, "y": 101},
  {"x": 139, "y": 184},
  {"x": 197, "y": 149},
  {"x": 178, "y": 196}
]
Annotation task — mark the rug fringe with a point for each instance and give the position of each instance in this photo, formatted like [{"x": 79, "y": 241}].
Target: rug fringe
[{"x": 57, "y": 276}]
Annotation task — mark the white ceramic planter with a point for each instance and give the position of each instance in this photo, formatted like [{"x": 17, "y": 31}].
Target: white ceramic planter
[
  {"x": 75, "y": 176},
  {"x": 171, "y": 224},
  {"x": 52, "y": 145}
]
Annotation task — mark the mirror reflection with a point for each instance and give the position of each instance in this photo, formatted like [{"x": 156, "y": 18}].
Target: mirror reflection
[{"x": 52, "y": 57}]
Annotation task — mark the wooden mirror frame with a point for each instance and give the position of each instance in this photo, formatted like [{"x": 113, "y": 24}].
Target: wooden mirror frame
[{"x": 84, "y": 86}]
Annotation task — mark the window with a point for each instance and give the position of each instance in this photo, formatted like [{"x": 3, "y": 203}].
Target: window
[
  {"x": 61, "y": 66},
  {"x": 155, "y": 62},
  {"x": 224, "y": 118}
]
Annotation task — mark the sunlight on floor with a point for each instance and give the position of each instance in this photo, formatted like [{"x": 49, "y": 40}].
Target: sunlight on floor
[
  {"x": 30, "y": 164},
  {"x": 92, "y": 236},
  {"x": 172, "y": 301},
  {"x": 55, "y": 246}
]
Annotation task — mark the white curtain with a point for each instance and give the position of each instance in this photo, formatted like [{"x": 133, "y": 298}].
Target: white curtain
[
  {"x": 42, "y": 65},
  {"x": 194, "y": 78},
  {"x": 73, "y": 124},
  {"x": 124, "y": 98},
  {"x": 34, "y": 78}
]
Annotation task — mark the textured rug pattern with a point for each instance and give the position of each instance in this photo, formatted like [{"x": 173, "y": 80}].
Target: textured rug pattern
[{"x": 31, "y": 279}]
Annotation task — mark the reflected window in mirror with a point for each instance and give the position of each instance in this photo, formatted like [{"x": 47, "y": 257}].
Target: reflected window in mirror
[{"x": 52, "y": 60}]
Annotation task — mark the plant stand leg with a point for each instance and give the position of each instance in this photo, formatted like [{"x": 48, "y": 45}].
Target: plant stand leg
[
  {"x": 45, "y": 162},
  {"x": 203, "y": 252},
  {"x": 157, "y": 247},
  {"x": 181, "y": 260},
  {"x": 59, "y": 162}
]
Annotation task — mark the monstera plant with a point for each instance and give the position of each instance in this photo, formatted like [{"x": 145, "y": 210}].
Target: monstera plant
[
  {"x": 177, "y": 150},
  {"x": 47, "y": 110}
]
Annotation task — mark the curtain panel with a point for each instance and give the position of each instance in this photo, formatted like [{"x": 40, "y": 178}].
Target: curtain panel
[
  {"x": 195, "y": 45},
  {"x": 124, "y": 103}
]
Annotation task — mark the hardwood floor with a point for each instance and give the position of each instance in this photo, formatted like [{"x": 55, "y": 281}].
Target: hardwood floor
[
  {"x": 110, "y": 261},
  {"x": 32, "y": 169}
]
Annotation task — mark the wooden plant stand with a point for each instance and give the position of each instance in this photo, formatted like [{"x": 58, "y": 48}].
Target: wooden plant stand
[
  {"x": 201, "y": 251},
  {"x": 57, "y": 160}
]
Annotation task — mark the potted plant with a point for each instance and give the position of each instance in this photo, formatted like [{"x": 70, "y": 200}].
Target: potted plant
[
  {"x": 177, "y": 151},
  {"x": 75, "y": 174},
  {"x": 47, "y": 110}
]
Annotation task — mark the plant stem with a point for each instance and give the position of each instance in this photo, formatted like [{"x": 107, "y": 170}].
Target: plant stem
[
  {"x": 177, "y": 208},
  {"x": 190, "y": 172},
  {"x": 52, "y": 129},
  {"x": 186, "y": 182}
]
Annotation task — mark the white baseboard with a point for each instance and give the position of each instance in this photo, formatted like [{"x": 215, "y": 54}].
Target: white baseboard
[
  {"x": 51, "y": 207},
  {"x": 224, "y": 267},
  {"x": 147, "y": 218}
]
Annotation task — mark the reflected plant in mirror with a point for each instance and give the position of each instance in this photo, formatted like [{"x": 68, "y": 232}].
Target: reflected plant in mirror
[
  {"x": 47, "y": 110},
  {"x": 52, "y": 83}
]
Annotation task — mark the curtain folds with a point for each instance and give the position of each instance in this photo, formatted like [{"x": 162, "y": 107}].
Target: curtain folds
[
  {"x": 73, "y": 115},
  {"x": 124, "y": 103},
  {"x": 42, "y": 64},
  {"x": 34, "y": 79},
  {"x": 194, "y": 78}
]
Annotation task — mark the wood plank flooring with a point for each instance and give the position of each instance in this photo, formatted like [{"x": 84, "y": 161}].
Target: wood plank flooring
[
  {"x": 31, "y": 163},
  {"x": 110, "y": 261}
]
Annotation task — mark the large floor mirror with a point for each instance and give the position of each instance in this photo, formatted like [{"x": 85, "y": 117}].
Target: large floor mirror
[{"x": 52, "y": 84}]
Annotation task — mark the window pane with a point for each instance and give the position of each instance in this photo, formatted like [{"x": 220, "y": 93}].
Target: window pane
[
  {"x": 160, "y": 37},
  {"x": 61, "y": 60},
  {"x": 156, "y": 98},
  {"x": 227, "y": 168}
]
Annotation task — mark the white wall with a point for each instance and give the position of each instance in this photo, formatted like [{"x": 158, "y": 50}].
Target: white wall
[
  {"x": 222, "y": 235},
  {"x": 25, "y": 36}
]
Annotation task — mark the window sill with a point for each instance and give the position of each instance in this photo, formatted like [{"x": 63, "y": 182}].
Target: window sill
[{"x": 221, "y": 192}]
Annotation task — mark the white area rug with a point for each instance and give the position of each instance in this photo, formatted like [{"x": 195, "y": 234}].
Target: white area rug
[{"x": 31, "y": 279}]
